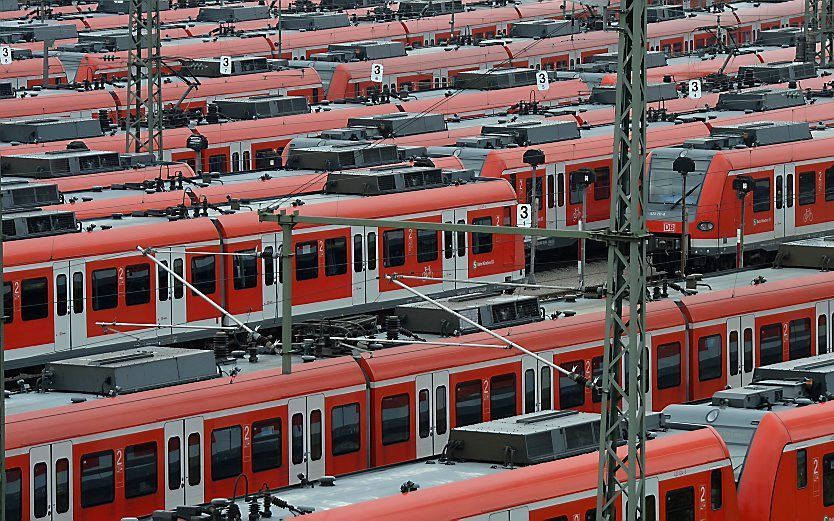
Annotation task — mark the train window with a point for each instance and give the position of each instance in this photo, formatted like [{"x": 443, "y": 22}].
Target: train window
[
  {"x": 246, "y": 160},
  {"x": 828, "y": 480},
  {"x": 571, "y": 394},
  {"x": 105, "y": 289},
  {"x": 34, "y": 299},
  {"x": 226, "y": 453},
  {"x": 235, "y": 161},
  {"x": 97, "y": 479},
  {"x": 140, "y": 470},
  {"x": 137, "y": 284},
  {"x": 427, "y": 245},
  {"x": 560, "y": 191},
  {"x": 371, "y": 251},
  {"x": 14, "y": 497},
  {"x": 245, "y": 269},
  {"x": 217, "y": 163},
  {"x": 680, "y": 504},
  {"x": 448, "y": 245},
  {"x": 306, "y": 260},
  {"x": 732, "y": 348},
  {"x": 575, "y": 194},
  {"x": 551, "y": 191},
  {"x": 807, "y": 188},
  {"x": 829, "y": 183},
  {"x": 482, "y": 242},
  {"x": 203, "y": 275},
  {"x": 162, "y": 277},
  {"x": 717, "y": 489},
  {"x": 461, "y": 240},
  {"x": 297, "y": 438},
  {"x": 591, "y": 515},
  {"x": 315, "y": 435},
  {"x": 529, "y": 391},
  {"x": 709, "y": 357},
  {"x": 8, "y": 303},
  {"x": 799, "y": 339},
  {"x": 502, "y": 396},
  {"x": 423, "y": 413},
  {"x": 602, "y": 184},
  {"x": 822, "y": 335},
  {"x": 596, "y": 374},
  {"x": 62, "y": 486},
  {"x": 468, "y": 403},
  {"x": 78, "y": 292},
  {"x": 396, "y": 420},
  {"x": 801, "y": 468},
  {"x": 748, "y": 350},
  {"x": 174, "y": 463},
  {"x": 266, "y": 445},
  {"x": 393, "y": 247},
  {"x": 669, "y": 365},
  {"x": 357, "y": 253},
  {"x": 178, "y": 285},
  {"x": 770, "y": 344},
  {"x": 789, "y": 191},
  {"x": 269, "y": 266},
  {"x": 546, "y": 383},
  {"x": 40, "y": 497},
  {"x": 761, "y": 195},
  {"x": 194, "y": 464},
  {"x": 538, "y": 191},
  {"x": 61, "y": 295},
  {"x": 344, "y": 429},
  {"x": 440, "y": 409},
  {"x": 335, "y": 256}
]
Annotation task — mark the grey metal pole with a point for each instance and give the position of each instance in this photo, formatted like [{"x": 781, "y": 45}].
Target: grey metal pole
[
  {"x": 286, "y": 297},
  {"x": 684, "y": 230},
  {"x": 582, "y": 224},
  {"x": 531, "y": 275},
  {"x": 740, "y": 262},
  {"x": 280, "y": 31}
]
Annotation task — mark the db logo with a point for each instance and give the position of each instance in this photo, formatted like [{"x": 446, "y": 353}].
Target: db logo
[{"x": 668, "y": 227}]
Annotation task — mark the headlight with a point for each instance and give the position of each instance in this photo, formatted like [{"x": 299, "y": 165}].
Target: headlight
[{"x": 705, "y": 226}]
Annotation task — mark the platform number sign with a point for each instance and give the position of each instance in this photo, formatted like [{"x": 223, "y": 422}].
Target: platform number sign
[
  {"x": 694, "y": 89},
  {"x": 542, "y": 81},
  {"x": 225, "y": 65},
  {"x": 524, "y": 215},
  {"x": 376, "y": 72},
  {"x": 5, "y": 55}
]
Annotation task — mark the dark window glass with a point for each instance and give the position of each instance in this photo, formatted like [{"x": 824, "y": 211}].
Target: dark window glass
[
  {"x": 440, "y": 409},
  {"x": 97, "y": 483},
  {"x": 602, "y": 184},
  {"x": 448, "y": 245},
  {"x": 529, "y": 191},
  {"x": 799, "y": 339},
  {"x": 822, "y": 335},
  {"x": 761, "y": 195},
  {"x": 575, "y": 193},
  {"x": 34, "y": 299},
  {"x": 40, "y": 494},
  {"x": 651, "y": 508},
  {"x": 732, "y": 348},
  {"x": 770, "y": 344},
  {"x": 423, "y": 413},
  {"x": 551, "y": 191},
  {"x": 140, "y": 470},
  {"x": 178, "y": 285},
  {"x": 174, "y": 463},
  {"x": 203, "y": 275},
  {"x": 461, "y": 240},
  {"x": 717, "y": 487},
  {"x": 801, "y": 468},
  {"x": 482, "y": 242},
  {"x": 828, "y": 480},
  {"x": 297, "y": 438},
  {"x": 546, "y": 384},
  {"x": 427, "y": 245},
  {"x": 357, "y": 253},
  {"x": 195, "y": 471},
  {"x": 162, "y": 277},
  {"x": 371, "y": 251},
  {"x": 748, "y": 350},
  {"x": 591, "y": 515},
  {"x": 315, "y": 435},
  {"x": 393, "y": 247},
  {"x": 245, "y": 269},
  {"x": 807, "y": 188},
  {"x": 596, "y": 374},
  {"x": 829, "y": 183},
  {"x": 344, "y": 429},
  {"x": 269, "y": 266},
  {"x": 61, "y": 295},
  {"x": 306, "y": 260},
  {"x": 218, "y": 163},
  {"x": 335, "y": 256},
  {"x": 529, "y": 391},
  {"x": 14, "y": 496},
  {"x": 266, "y": 445},
  {"x": 62, "y": 486},
  {"x": 779, "y": 192},
  {"x": 560, "y": 192},
  {"x": 105, "y": 289},
  {"x": 468, "y": 405},
  {"x": 502, "y": 396},
  {"x": 137, "y": 284},
  {"x": 8, "y": 303},
  {"x": 571, "y": 394},
  {"x": 396, "y": 422},
  {"x": 669, "y": 365},
  {"x": 709, "y": 357},
  {"x": 226, "y": 453},
  {"x": 680, "y": 504},
  {"x": 78, "y": 292}
]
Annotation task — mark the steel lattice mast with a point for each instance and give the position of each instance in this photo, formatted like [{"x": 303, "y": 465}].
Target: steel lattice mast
[
  {"x": 624, "y": 400},
  {"x": 144, "y": 93}
]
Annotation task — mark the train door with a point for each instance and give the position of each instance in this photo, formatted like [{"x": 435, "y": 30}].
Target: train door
[
  {"x": 50, "y": 484},
  {"x": 306, "y": 440},
  {"x": 550, "y": 207},
  {"x": 358, "y": 264},
  {"x": 63, "y": 317},
  {"x": 432, "y": 429},
  {"x": 461, "y": 250},
  {"x": 789, "y": 208},
  {"x": 164, "y": 294},
  {"x": 536, "y": 385},
  {"x": 449, "y": 252},
  {"x": 178, "y": 295},
  {"x": 560, "y": 208},
  {"x": 647, "y": 370},
  {"x": 824, "y": 310},
  {"x": 271, "y": 285},
  {"x": 184, "y": 462},
  {"x": 740, "y": 350},
  {"x": 652, "y": 501},
  {"x": 78, "y": 297},
  {"x": 748, "y": 351},
  {"x": 514, "y": 514}
]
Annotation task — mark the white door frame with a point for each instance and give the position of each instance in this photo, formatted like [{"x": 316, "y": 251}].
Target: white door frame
[
  {"x": 528, "y": 363},
  {"x": 49, "y": 455},
  {"x": 63, "y": 324},
  {"x": 372, "y": 281},
  {"x": 358, "y": 263},
  {"x": 823, "y": 310},
  {"x": 461, "y": 261},
  {"x": 425, "y": 445},
  {"x": 178, "y": 305},
  {"x": 734, "y": 326},
  {"x": 312, "y": 469},
  {"x": 748, "y": 322},
  {"x": 270, "y": 293},
  {"x": 78, "y": 322},
  {"x": 448, "y": 216}
]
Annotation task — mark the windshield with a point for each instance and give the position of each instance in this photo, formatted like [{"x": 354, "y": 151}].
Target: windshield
[{"x": 666, "y": 185}]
